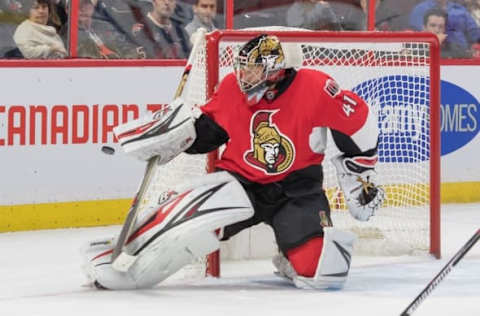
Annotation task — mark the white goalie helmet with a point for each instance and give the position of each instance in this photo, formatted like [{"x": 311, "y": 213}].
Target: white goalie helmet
[{"x": 259, "y": 63}]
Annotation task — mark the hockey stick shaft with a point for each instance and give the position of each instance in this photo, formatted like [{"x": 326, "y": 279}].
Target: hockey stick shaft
[
  {"x": 132, "y": 212},
  {"x": 441, "y": 275},
  {"x": 149, "y": 173}
]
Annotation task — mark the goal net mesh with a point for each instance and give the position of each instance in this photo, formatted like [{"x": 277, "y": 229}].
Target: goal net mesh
[{"x": 394, "y": 79}]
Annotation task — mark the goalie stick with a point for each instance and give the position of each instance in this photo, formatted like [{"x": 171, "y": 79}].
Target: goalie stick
[
  {"x": 441, "y": 275},
  {"x": 121, "y": 260}
]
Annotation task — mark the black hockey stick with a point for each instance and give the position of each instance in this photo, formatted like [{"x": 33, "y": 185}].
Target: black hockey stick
[
  {"x": 441, "y": 275},
  {"x": 121, "y": 260}
]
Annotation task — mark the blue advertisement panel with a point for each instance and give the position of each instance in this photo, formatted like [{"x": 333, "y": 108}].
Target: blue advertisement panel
[
  {"x": 460, "y": 113},
  {"x": 404, "y": 116}
]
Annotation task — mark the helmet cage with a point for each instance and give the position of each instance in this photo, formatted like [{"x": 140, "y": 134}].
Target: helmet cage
[
  {"x": 260, "y": 59},
  {"x": 245, "y": 73}
]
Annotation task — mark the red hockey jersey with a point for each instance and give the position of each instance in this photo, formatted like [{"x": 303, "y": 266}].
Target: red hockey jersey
[{"x": 272, "y": 139}]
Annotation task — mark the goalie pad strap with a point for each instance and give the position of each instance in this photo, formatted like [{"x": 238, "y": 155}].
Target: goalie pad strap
[{"x": 165, "y": 133}]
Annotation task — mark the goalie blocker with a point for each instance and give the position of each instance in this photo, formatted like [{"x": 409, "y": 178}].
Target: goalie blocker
[{"x": 180, "y": 229}]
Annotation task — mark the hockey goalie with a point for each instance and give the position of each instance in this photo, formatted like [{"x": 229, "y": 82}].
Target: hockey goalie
[{"x": 273, "y": 120}]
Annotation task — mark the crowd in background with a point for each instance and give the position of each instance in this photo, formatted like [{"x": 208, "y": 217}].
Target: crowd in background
[{"x": 112, "y": 29}]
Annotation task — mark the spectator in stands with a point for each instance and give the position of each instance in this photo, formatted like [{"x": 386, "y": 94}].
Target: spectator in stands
[
  {"x": 353, "y": 15},
  {"x": 313, "y": 15},
  {"x": 58, "y": 14},
  {"x": 10, "y": 18},
  {"x": 101, "y": 41},
  {"x": 183, "y": 12},
  {"x": 204, "y": 13},
  {"x": 34, "y": 37},
  {"x": 473, "y": 6},
  {"x": 257, "y": 13},
  {"x": 9, "y": 6},
  {"x": 350, "y": 15},
  {"x": 160, "y": 35},
  {"x": 393, "y": 15},
  {"x": 461, "y": 27},
  {"x": 435, "y": 21}
]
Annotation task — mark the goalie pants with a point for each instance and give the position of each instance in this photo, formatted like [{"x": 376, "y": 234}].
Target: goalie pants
[{"x": 296, "y": 208}]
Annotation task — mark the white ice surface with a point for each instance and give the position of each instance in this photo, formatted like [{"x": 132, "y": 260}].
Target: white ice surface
[{"x": 40, "y": 275}]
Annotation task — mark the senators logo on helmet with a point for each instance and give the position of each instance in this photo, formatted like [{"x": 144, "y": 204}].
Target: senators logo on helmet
[{"x": 259, "y": 61}]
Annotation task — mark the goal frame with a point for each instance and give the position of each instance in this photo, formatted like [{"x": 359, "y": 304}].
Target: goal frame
[{"x": 212, "y": 78}]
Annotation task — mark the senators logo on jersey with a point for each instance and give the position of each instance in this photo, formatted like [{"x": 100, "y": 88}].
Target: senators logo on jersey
[{"x": 271, "y": 151}]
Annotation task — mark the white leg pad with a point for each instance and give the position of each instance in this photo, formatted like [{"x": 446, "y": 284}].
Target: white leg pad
[
  {"x": 167, "y": 257},
  {"x": 333, "y": 266},
  {"x": 98, "y": 267},
  {"x": 160, "y": 261},
  {"x": 284, "y": 267},
  {"x": 173, "y": 234}
]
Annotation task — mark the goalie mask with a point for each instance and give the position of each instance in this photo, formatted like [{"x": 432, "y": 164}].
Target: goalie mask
[{"x": 260, "y": 63}]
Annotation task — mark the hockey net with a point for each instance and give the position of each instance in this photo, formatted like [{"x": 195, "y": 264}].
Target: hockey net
[{"x": 398, "y": 75}]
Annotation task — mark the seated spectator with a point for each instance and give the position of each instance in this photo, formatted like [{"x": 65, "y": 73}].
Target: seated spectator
[
  {"x": 435, "y": 21},
  {"x": 104, "y": 43},
  {"x": 58, "y": 14},
  {"x": 160, "y": 35},
  {"x": 473, "y": 6},
  {"x": 393, "y": 15},
  {"x": 204, "y": 13},
  {"x": 313, "y": 15},
  {"x": 183, "y": 12},
  {"x": 462, "y": 29},
  {"x": 10, "y": 18},
  {"x": 353, "y": 15},
  {"x": 8, "y": 7},
  {"x": 256, "y": 13},
  {"x": 34, "y": 37},
  {"x": 119, "y": 14},
  {"x": 350, "y": 15}
]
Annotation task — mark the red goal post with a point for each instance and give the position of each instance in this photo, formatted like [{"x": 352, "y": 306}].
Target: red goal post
[
  {"x": 398, "y": 75},
  {"x": 420, "y": 50}
]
